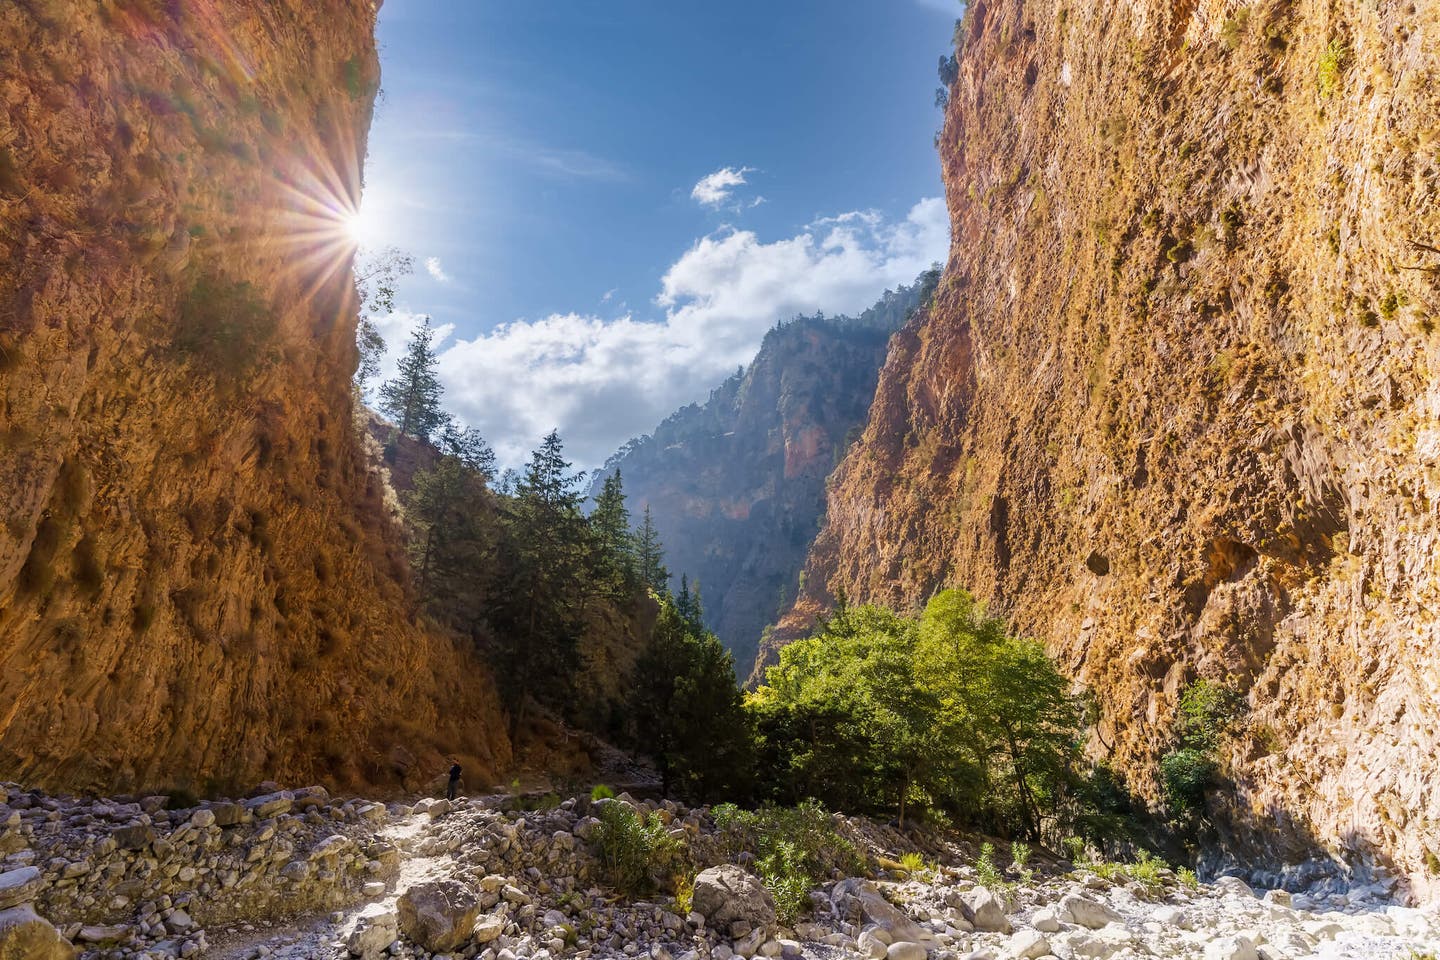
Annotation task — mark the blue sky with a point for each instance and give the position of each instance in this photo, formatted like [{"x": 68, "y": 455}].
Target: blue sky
[{"x": 609, "y": 203}]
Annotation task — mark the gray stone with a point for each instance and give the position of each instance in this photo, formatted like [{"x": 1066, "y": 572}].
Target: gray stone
[
  {"x": 439, "y": 915},
  {"x": 270, "y": 805},
  {"x": 985, "y": 911},
  {"x": 1234, "y": 886},
  {"x": 374, "y": 931},
  {"x": 1231, "y": 948},
  {"x": 98, "y": 934},
  {"x": 26, "y": 936},
  {"x": 726, "y": 894},
  {"x": 489, "y": 928},
  {"x": 227, "y": 814},
  {"x": 19, "y": 886},
  {"x": 1086, "y": 912},
  {"x": 1028, "y": 945},
  {"x": 136, "y": 836},
  {"x": 202, "y": 818},
  {"x": 905, "y": 950}
]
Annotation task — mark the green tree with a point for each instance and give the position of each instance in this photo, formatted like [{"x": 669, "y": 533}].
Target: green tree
[
  {"x": 377, "y": 276},
  {"x": 650, "y": 556},
  {"x": 688, "y": 710},
  {"x": 615, "y": 563},
  {"x": 412, "y": 398},
  {"x": 538, "y": 616}
]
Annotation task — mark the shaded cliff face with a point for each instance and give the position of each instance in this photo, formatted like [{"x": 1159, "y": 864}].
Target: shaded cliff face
[
  {"x": 736, "y": 487},
  {"x": 197, "y": 587},
  {"x": 1176, "y": 408}
]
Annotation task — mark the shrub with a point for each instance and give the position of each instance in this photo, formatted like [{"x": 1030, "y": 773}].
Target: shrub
[
  {"x": 633, "y": 850},
  {"x": 1020, "y": 857},
  {"x": 795, "y": 848},
  {"x": 1187, "y": 877},
  {"x": 225, "y": 325},
  {"x": 1331, "y": 67},
  {"x": 987, "y": 874},
  {"x": 601, "y": 792},
  {"x": 1187, "y": 773},
  {"x": 913, "y": 863}
]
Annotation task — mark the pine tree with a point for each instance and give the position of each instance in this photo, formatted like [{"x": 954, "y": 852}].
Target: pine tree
[
  {"x": 412, "y": 398},
  {"x": 649, "y": 556},
  {"x": 615, "y": 562},
  {"x": 466, "y": 445}
]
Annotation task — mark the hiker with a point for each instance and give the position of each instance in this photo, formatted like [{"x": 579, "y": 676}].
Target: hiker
[{"x": 454, "y": 780}]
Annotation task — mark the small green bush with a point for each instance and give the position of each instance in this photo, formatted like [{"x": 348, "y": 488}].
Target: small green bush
[
  {"x": 633, "y": 851},
  {"x": 987, "y": 874},
  {"x": 1020, "y": 857},
  {"x": 1331, "y": 68},
  {"x": 601, "y": 792},
  {"x": 1187, "y": 878},
  {"x": 225, "y": 325},
  {"x": 1187, "y": 773},
  {"x": 795, "y": 849}
]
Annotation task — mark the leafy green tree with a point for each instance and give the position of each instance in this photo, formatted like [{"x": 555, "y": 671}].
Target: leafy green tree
[
  {"x": 412, "y": 398},
  {"x": 377, "y": 276},
  {"x": 689, "y": 712}
]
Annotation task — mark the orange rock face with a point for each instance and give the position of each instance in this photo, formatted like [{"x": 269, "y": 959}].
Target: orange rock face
[
  {"x": 198, "y": 587},
  {"x": 1176, "y": 409}
]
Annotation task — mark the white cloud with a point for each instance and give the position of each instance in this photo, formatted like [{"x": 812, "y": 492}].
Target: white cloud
[
  {"x": 434, "y": 268},
  {"x": 603, "y": 381},
  {"x": 715, "y": 189}
]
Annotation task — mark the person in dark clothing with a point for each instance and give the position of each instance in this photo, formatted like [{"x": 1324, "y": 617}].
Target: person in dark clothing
[{"x": 454, "y": 781}]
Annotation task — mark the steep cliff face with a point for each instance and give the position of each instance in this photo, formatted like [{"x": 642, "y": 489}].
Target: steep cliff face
[
  {"x": 1176, "y": 408},
  {"x": 197, "y": 587},
  {"x": 736, "y": 487}
]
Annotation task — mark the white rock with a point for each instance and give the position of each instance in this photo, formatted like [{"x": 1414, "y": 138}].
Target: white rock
[
  {"x": 905, "y": 950},
  {"x": 1028, "y": 944},
  {"x": 870, "y": 945},
  {"x": 1045, "y": 921},
  {"x": 1086, "y": 912},
  {"x": 985, "y": 911},
  {"x": 1231, "y": 948},
  {"x": 1234, "y": 886}
]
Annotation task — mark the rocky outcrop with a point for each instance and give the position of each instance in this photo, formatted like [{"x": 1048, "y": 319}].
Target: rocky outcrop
[
  {"x": 1175, "y": 409},
  {"x": 736, "y": 486},
  {"x": 198, "y": 588}
]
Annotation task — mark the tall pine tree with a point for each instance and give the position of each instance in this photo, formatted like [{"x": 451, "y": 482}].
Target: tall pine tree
[
  {"x": 615, "y": 567},
  {"x": 412, "y": 398},
  {"x": 649, "y": 555}
]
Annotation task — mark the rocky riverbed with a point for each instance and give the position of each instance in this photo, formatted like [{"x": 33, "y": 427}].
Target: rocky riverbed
[{"x": 297, "y": 874}]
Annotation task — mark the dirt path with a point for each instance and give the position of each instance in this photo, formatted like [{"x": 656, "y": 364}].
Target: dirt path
[{"x": 324, "y": 935}]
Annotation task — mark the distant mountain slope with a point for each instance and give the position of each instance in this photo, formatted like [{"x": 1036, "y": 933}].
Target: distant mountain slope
[{"x": 736, "y": 486}]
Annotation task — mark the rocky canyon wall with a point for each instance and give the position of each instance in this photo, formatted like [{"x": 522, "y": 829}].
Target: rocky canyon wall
[
  {"x": 1176, "y": 409},
  {"x": 197, "y": 586}
]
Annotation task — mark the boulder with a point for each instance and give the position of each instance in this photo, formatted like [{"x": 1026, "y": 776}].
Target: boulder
[
  {"x": 1086, "y": 912},
  {"x": 227, "y": 814},
  {"x": 905, "y": 950},
  {"x": 1234, "y": 887},
  {"x": 1231, "y": 948},
  {"x": 726, "y": 894},
  {"x": 270, "y": 805},
  {"x": 439, "y": 915},
  {"x": 871, "y": 946},
  {"x": 1045, "y": 921},
  {"x": 489, "y": 928},
  {"x": 1028, "y": 945},
  {"x": 19, "y": 886},
  {"x": 24, "y": 935},
  {"x": 136, "y": 836},
  {"x": 202, "y": 818},
  {"x": 375, "y": 930},
  {"x": 984, "y": 911},
  {"x": 862, "y": 896},
  {"x": 307, "y": 797}
]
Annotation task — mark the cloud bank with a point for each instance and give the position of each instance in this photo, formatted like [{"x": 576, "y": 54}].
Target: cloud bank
[{"x": 602, "y": 381}]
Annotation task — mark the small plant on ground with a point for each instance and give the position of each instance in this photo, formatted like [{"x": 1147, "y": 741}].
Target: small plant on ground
[
  {"x": 987, "y": 874},
  {"x": 1187, "y": 878},
  {"x": 633, "y": 851},
  {"x": 795, "y": 849},
  {"x": 601, "y": 792},
  {"x": 1020, "y": 857},
  {"x": 684, "y": 894},
  {"x": 914, "y": 863},
  {"x": 1074, "y": 848}
]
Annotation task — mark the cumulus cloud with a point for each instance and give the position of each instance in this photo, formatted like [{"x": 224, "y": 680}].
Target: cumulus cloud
[
  {"x": 436, "y": 270},
  {"x": 715, "y": 189},
  {"x": 602, "y": 381}
]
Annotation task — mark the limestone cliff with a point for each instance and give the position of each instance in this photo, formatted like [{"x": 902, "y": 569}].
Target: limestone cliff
[
  {"x": 736, "y": 486},
  {"x": 1176, "y": 408},
  {"x": 197, "y": 585}
]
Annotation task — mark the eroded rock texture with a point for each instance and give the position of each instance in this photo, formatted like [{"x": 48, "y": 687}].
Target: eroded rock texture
[
  {"x": 196, "y": 585},
  {"x": 1176, "y": 408}
]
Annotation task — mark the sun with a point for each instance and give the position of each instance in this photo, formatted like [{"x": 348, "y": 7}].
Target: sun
[{"x": 359, "y": 226}]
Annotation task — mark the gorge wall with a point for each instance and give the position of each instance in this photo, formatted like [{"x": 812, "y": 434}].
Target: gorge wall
[
  {"x": 1176, "y": 408},
  {"x": 198, "y": 588},
  {"x": 736, "y": 486}
]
